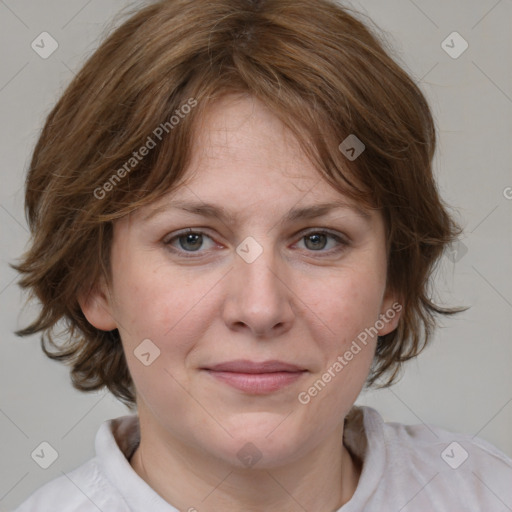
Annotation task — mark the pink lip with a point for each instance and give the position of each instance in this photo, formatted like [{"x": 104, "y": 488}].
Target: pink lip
[{"x": 256, "y": 378}]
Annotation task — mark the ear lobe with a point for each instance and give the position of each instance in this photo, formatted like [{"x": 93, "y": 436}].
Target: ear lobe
[
  {"x": 96, "y": 307},
  {"x": 390, "y": 314}
]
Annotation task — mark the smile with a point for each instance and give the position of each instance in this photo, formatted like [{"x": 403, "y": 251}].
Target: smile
[{"x": 256, "y": 378}]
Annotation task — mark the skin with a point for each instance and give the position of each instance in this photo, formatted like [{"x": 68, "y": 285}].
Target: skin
[{"x": 302, "y": 301}]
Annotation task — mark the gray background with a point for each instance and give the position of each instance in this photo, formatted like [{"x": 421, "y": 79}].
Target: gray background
[{"x": 462, "y": 382}]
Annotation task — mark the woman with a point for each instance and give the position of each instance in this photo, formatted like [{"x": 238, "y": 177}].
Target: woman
[{"x": 233, "y": 212}]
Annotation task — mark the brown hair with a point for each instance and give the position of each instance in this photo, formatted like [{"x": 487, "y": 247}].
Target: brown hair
[{"x": 322, "y": 72}]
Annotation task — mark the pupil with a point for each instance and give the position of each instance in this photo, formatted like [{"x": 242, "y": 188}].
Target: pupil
[
  {"x": 194, "y": 240},
  {"x": 317, "y": 240}
]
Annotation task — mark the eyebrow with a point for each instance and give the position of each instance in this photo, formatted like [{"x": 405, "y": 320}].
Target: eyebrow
[{"x": 221, "y": 213}]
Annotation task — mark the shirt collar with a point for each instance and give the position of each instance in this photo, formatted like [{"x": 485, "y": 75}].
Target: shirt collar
[
  {"x": 117, "y": 439},
  {"x": 115, "y": 442}
]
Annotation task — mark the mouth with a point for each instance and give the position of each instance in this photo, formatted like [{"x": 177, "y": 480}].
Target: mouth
[{"x": 256, "y": 378}]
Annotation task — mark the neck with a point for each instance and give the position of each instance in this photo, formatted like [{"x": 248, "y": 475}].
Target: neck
[{"x": 323, "y": 480}]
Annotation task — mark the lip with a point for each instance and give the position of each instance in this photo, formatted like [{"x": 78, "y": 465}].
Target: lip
[
  {"x": 256, "y": 377},
  {"x": 247, "y": 366}
]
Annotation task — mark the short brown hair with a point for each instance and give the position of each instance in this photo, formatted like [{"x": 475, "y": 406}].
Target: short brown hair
[{"x": 319, "y": 69}]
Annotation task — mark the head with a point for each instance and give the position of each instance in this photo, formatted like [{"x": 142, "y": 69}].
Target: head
[{"x": 252, "y": 107}]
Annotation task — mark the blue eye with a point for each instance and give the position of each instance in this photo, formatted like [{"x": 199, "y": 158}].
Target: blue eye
[
  {"x": 190, "y": 241},
  {"x": 318, "y": 240}
]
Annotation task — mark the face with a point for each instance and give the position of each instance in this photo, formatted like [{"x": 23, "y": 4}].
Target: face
[{"x": 247, "y": 304}]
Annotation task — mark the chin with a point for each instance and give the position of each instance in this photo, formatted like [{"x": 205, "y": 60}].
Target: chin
[{"x": 262, "y": 441}]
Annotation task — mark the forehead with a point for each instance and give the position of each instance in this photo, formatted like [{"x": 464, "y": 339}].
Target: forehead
[
  {"x": 240, "y": 146},
  {"x": 245, "y": 162},
  {"x": 239, "y": 132}
]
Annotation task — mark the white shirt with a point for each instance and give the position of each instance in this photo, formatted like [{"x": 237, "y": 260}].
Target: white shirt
[{"x": 405, "y": 469}]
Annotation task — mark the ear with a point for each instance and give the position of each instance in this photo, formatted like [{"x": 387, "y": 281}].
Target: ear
[
  {"x": 96, "y": 305},
  {"x": 390, "y": 312}
]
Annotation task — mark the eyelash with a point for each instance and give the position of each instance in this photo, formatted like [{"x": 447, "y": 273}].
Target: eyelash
[{"x": 343, "y": 242}]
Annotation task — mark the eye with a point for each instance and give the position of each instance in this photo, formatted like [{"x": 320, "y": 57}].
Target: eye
[
  {"x": 188, "y": 241},
  {"x": 317, "y": 241}
]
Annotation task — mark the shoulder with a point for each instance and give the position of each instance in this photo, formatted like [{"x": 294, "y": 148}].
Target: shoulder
[
  {"x": 82, "y": 490},
  {"x": 88, "y": 487},
  {"x": 443, "y": 448},
  {"x": 431, "y": 465}
]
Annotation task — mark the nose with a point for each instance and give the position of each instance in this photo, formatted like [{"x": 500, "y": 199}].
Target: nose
[{"x": 260, "y": 296}]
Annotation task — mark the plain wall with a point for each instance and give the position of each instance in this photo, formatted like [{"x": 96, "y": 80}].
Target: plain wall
[{"x": 462, "y": 382}]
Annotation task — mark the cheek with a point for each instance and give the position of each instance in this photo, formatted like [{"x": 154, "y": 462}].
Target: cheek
[
  {"x": 348, "y": 308},
  {"x": 163, "y": 307},
  {"x": 168, "y": 306},
  {"x": 346, "y": 304}
]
